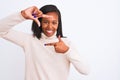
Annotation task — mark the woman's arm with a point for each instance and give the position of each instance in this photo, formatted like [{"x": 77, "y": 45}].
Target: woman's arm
[
  {"x": 6, "y": 25},
  {"x": 73, "y": 56},
  {"x": 10, "y": 21},
  {"x": 65, "y": 47}
]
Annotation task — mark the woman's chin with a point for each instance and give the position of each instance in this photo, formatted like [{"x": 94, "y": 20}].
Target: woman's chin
[{"x": 49, "y": 35}]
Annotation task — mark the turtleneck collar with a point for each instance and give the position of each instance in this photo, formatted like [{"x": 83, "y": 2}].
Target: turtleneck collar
[{"x": 43, "y": 36}]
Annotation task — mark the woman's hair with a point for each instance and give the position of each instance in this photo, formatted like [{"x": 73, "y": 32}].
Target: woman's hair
[{"x": 45, "y": 9}]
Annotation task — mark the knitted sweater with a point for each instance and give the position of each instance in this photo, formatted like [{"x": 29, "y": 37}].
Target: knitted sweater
[{"x": 41, "y": 62}]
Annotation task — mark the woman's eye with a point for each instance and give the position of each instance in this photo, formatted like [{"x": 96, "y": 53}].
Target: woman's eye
[
  {"x": 54, "y": 23},
  {"x": 45, "y": 22}
]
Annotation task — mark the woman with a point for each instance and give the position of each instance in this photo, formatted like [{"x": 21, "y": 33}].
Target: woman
[{"x": 47, "y": 53}]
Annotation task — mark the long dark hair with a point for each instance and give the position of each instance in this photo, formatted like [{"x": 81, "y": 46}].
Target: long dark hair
[{"x": 45, "y": 9}]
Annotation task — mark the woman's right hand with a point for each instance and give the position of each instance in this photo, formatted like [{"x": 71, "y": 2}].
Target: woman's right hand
[{"x": 33, "y": 13}]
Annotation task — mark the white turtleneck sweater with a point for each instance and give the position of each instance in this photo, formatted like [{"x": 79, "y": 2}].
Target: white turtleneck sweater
[{"x": 41, "y": 62}]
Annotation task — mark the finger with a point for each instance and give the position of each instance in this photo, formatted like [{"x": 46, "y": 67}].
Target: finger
[
  {"x": 37, "y": 21},
  {"x": 37, "y": 13},
  {"x": 50, "y": 44},
  {"x": 59, "y": 38},
  {"x": 38, "y": 16},
  {"x": 34, "y": 15},
  {"x": 46, "y": 16},
  {"x": 35, "y": 18}
]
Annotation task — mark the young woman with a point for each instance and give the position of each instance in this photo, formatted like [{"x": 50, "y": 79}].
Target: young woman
[{"x": 48, "y": 53}]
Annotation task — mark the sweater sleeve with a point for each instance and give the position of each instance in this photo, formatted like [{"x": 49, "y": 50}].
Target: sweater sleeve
[
  {"x": 78, "y": 62},
  {"x": 7, "y": 33}
]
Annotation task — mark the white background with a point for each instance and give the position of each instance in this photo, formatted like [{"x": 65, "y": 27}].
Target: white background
[{"x": 92, "y": 25}]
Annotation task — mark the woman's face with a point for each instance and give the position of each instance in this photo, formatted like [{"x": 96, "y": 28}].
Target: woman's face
[{"x": 50, "y": 25}]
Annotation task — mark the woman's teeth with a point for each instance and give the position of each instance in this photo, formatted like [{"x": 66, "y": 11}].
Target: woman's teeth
[{"x": 49, "y": 31}]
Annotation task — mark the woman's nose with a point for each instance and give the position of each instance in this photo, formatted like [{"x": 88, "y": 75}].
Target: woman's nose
[{"x": 50, "y": 25}]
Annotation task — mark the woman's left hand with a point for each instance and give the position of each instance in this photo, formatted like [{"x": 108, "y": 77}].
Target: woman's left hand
[{"x": 60, "y": 46}]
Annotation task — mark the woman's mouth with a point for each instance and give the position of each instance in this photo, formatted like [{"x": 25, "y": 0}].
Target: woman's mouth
[{"x": 49, "y": 31}]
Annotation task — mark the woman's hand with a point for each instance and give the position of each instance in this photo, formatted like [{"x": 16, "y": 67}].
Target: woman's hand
[
  {"x": 60, "y": 46},
  {"x": 33, "y": 13}
]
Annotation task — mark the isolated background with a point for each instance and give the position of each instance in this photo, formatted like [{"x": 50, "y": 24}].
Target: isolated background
[{"x": 92, "y": 25}]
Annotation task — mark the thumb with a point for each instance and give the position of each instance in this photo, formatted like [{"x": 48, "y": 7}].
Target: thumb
[
  {"x": 59, "y": 38},
  {"x": 34, "y": 17},
  {"x": 37, "y": 21}
]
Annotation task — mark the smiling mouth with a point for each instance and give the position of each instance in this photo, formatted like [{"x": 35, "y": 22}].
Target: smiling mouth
[{"x": 49, "y": 31}]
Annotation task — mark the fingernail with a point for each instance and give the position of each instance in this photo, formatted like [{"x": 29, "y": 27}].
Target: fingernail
[{"x": 34, "y": 15}]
